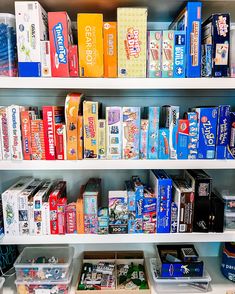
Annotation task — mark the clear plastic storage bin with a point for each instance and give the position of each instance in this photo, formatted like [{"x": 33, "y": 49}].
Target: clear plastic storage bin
[
  {"x": 44, "y": 264},
  {"x": 2, "y": 280},
  {"x": 179, "y": 285},
  {"x": 228, "y": 195},
  {"x": 229, "y": 221},
  {"x": 8, "y": 52}
]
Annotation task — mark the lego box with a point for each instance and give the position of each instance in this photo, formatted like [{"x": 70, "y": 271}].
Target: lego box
[
  {"x": 110, "y": 49},
  {"x": 223, "y": 131},
  {"x": 132, "y": 35},
  {"x": 167, "y": 54},
  {"x": 179, "y": 67},
  {"x": 154, "y": 67},
  {"x": 90, "y": 36}
]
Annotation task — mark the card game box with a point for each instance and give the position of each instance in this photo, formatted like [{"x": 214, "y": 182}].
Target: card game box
[
  {"x": 132, "y": 39},
  {"x": 163, "y": 147},
  {"x": 4, "y": 131},
  {"x": 110, "y": 49},
  {"x": 70, "y": 217},
  {"x": 189, "y": 20},
  {"x": 80, "y": 213},
  {"x": 60, "y": 141},
  {"x": 206, "y": 64},
  {"x": 131, "y": 199},
  {"x": 149, "y": 213},
  {"x": 80, "y": 136},
  {"x": 154, "y": 61},
  {"x": 144, "y": 131},
  {"x": 103, "y": 220},
  {"x": 139, "y": 196},
  {"x": 216, "y": 31},
  {"x": 179, "y": 66},
  {"x": 37, "y": 139},
  {"x": 90, "y": 36},
  {"x": 130, "y": 132},
  {"x": 231, "y": 144},
  {"x": 25, "y": 118},
  {"x": 183, "y": 139},
  {"x": 102, "y": 139},
  {"x": 223, "y": 131},
  {"x": 193, "y": 134},
  {"x": 61, "y": 215},
  {"x": 153, "y": 117},
  {"x": 60, "y": 32},
  {"x": 31, "y": 29},
  {"x": 45, "y": 59},
  {"x": 167, "y": 54}
]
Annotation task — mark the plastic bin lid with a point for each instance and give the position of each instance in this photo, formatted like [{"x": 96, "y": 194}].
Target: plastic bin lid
[
  {"x": 2, "y": 280},
  {"x": 7, "y": 15}
]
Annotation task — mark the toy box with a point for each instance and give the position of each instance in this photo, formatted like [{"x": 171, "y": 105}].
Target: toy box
[
  {"x": 153, "y": 116},
  {"x": 215, "y": 31},
  {"x": 139, "y": 196},
  {"x": 80, "y": 213},
  {"x": 232, "y": 52},
  {"x": 90, "y": 126},
  {"x": 73, "y": 104},
  {"x": 183, "y": 139},
  {"x": 114, "y": 132},
  {"x": 132, "y": 35},
  {"x": 80, "y": 136},
  {"x": 162, "y": 187},
  {"x": 103, "y": 221},
  {"x": 231, "y": 144},
  {"x": 201, "y": 184},
  {"x": 61, "y": 206},
  {"x": 118, "y": 212},
  {"x": 177, "y": 261},
  {"x": 183, "y": 197},
  {"x": 60, "y": 141},
  {"x": 131, "y": 132},
  {"x": 110, "y": 49},
  {"x": 31, "y": 29},
  {"x": 61, "y": 38},
  {"x": 179, "y": 67},
  {"x": 206, "y": 64},
  {"x": 102, "y": 139},
  {"x": 90, "y": 36},
  {"x": 154, "y": 62},
  {"x": 170, "y": 115},
  {"x": 46, "y": 227},
  {"x": 189, "y": 20},
  {"x": 70, "y": 217},
  {"x": 163, "y": 146},
  {"x": 37, "y": 139},
  {"x": 144, "y": 131},
  {"x": 73, "y": 61},
  {"x": 167, "y": 54},
  {"x": 26, "y": 134},
  {"x": 223, "y": 131},
  {"x": 45, "y": 59},
  {"x": 193, "y": 134},
  {"x": 207, "y": 119},
  {"x": 131, "y": 199},
  {"x": 149, "y": 213},
  {"x": 8, "y": 53},
  {"x": 10, "y": 206},
  {"x": 23, "y": 198},
  {"x": 4, "y": 131}
]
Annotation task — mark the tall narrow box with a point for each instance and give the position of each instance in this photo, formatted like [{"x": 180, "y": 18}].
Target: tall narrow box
[
  {"x": 71, "y": 220},
  {"x": 90, "y": 38},
  {"x": 102, "y": 139},
  {"x": 206, "y": 60},
  {"x": 31, "y": 29},
  {"x": 144, "y": 132},
  {"x": 183, "y": 139},
  {"x": 167, "y": 54},
  {"x": 37, "y": 139},
  {"x": 193, "y": 134},
  {"x": 61, "y": 38},
  {"x": 4, "y": 130},
  {"x": 139, "y": 196},
  {"x": 231, "y": 145},
  {"x": 45, "y": 59},
  {"x": 153, "y": 116},
  {"x": 154, "y": 62},
  {"x": 60, "y": 141},
  {"x": 73, "y": 61},
  {"x": 223, "y": 131},
  {"x": 25, "y": 118},
  {"x": 163, "y": 146},
  {"x": 132, "y": 35},
  {"x": 216, "y": 32},
  {"x": 149, "y": 213},
  {"x": 179, "y": 66},
  {"x": 189, "y": 20},
  {"x": 110, "y": 49},
  {"x": 131, "y": 202},
  {"x": 232, "y": 52}
]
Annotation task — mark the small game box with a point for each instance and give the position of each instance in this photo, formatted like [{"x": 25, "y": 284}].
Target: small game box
[
  {"x": 179, "y": 67},
  {"x": 110, "y": 49},
  {"x": 183, "y": 139},
  {"x": 206, "y": 64},
  {"x": 232, "y": 52},
  {"x": 153, "y": 117},
  {"x": 154, "y": 62},
  {"x": 193, "y": 134},
  {"x": 163, "y": 147},
  {"x": 167, "y": 54},
  {"x": 102, "y": 139},
  {"x": 144, "y": 132}
]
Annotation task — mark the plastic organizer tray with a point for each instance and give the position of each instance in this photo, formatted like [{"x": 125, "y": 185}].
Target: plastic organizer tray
[
  {"x": 179, "y": 285},
  {"x": 48, "y": 271},
  {"x": 45, "y": 287},
  {"x": 2, "y": 280}
]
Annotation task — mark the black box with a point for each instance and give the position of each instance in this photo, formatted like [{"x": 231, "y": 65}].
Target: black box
[
  {"x": 201, "y": 183},
  {"x": 216, "y": 219}
]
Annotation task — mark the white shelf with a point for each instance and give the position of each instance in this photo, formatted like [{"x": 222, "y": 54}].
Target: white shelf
[
  {"x": 115, "y": 164},
  {"x": 118, "y": 83},
  {"x": 119, "y": 238}
]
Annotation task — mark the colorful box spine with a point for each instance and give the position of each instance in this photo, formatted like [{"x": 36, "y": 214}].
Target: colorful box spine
[
  {"x": 231, "y": 144},
  {"x": 37, "y": 139},
  {"x": 153, "y": 116},
  {"x": 206, "y": 64},
  {"x": 223, "y": 131},
  {"x": 132, "y": 35},
  {"x": 90, "y": 213},
  {"x": 167, "y": 54},
  {"x": 154, "y": 62},
  {"x": 60, "y": 34},
  {"x": 131, "y": 132},
  {"x": 61, "y": 206},
  {"x": 183, "y": 139},
  {"x": 80, "y": 137},
  {"x": 49, "y": 132},
  {"x": 114, "y": 132},
  {"x": 149, "y": 215},
  {"x": 103, "y": 221},
  {"x": 45, "y": 59},
  {"x": 163, "y": 146},
  {"x": 13, "y": 113},
  {"x": 131, "y": 199},
  {"x": 102, "y": 139},
  {"x": 179, "y": 67},
  {"x": 80, "y": 216},
  {"x": 189, "y": 20},
  {"x": 73, "y": 61},
  {"x": 139, "y": 195},
  {"x": 60, "y": 141},
  {"x": 207, "y": 118},
  {"x": 26, "y": 134},
  {"x": 193, "y": 134},
  {"x": 71, "y": 218},
  {"x": 232, "y": 52},
  {"x": 144, "y": 131},
  {"x": 90, "y": 126},
  {"x": 110, "y": 49},
  {"x": 90, "y": 36},
  {"x": 46, "y": 229},
  {"x": 4, "y": 130}
]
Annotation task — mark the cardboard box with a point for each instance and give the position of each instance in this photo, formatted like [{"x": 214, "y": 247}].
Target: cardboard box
[
  {"x": 103, "y": 221},
  {"x": 37, "y": 139},
  {"x": 114, "y": 132},
  {"x": 154, "y": 62},
  {"x": 183, "y": 139},
  {"x": 73, "y": 61},
  {"x": 4, "y": 131},
  {"x": 31, "y": 29},
  {"x": 131, "y": 199},
  {"x": 61, "y": 206},
  {"x": 132, "y": 35},
  {"x": 179, "y": 67},
  {"x": 206, "y": 64},
  {"x": 215, "y": 31},
  {"x": 110, "y": 49},
  {"x": 223, "y": 131},
  {"x": 80, "y": 137},
  {"x": 232, "y": 52},
  {"x": 189, "y": 20},
  {"x": 26, "y": 134},
  {"x": 102, "y": 139},
  {"x": 90, "y": 129},
  {"x": 193, "y": 134},
  {"x": 153, "y": 135},
  {"x": 90, "y": 38},
  {"x": 167, "y": 54},
  {"x": 144, "y": 131},
  {"x": 207, "y": 118},
  {"x": 131, "y": 132},
  {"x": 139, "y": 196},
  {"x": 60, "y": 32},
  {"x": 71, "y": 218},
  {"x": 231, "y": 145},
  {"x": 45, "y": 59},
  {"x": 216, "y": 219},
  {"x": 149, "y": 213},
  {"x": 60, "y": 141},
  {"x": 80, "y": 216},
  {"x": 163, "y": 146},
  {"x": 1, "y": 220}
]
